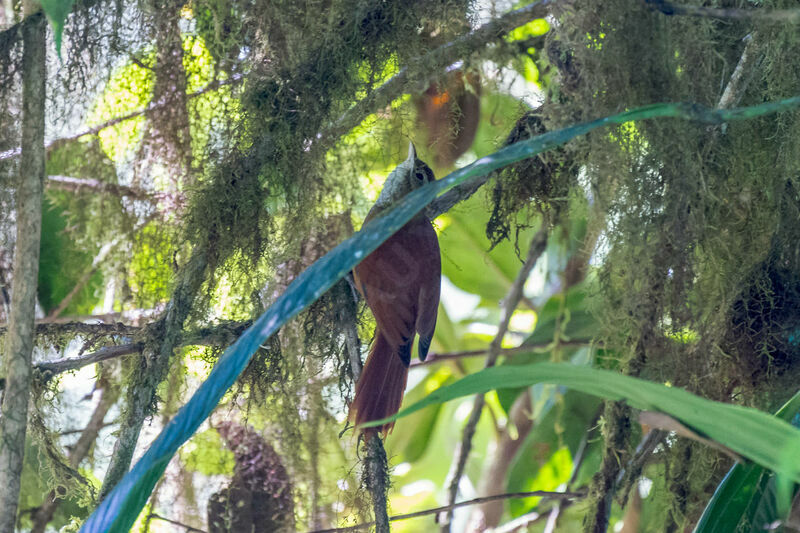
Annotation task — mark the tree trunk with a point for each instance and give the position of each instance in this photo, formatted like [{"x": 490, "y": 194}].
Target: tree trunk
[{"x": 19, "y": 339}]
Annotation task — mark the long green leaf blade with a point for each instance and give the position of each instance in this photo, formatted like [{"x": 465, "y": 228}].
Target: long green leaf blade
[
  {"x": 121, "y": 508},
  {"x": 738, "y": 496},
  {"x": 764, "y": 439}
]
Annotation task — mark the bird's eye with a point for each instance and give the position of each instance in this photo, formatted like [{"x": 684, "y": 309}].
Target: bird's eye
[{"x": 424, "y": 174}]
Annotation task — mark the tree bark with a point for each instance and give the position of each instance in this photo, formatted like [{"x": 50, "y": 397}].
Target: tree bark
[
  {"x": 19, "y": 339},
  {"x": 155, "y": 363}
]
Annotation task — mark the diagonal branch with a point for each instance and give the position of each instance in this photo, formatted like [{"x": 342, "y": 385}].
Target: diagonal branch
[
  {"x": 450, "y": 507},
  {"x": 512, "y": 299},
  {"x": 786, "y": 16},
  {"x": 430, "y": 66},
  {"x": 94, "y": 130}
]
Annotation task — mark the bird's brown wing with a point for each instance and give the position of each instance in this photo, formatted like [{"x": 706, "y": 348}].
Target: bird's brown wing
[
  {"x": 390, "y": 279},
  {"x": 429, "y": 286}
]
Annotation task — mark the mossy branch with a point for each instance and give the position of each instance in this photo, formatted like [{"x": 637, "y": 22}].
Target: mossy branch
[
  {"x": 784, "y": 16},
  {"x": 415, "y": 78},
  {"x": 155, "y": 359}
]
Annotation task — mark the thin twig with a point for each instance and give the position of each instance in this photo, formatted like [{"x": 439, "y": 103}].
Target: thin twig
[
  {"x": 518, "y": 523},
  {"x": 515, "y": 292},
  {"x": 741, "y": 76},
  {"x": 214, "y": 85},
  {"x": 505, "y": 352},
  {"x": 633, "y": 469},
  {"x": 222, "y": 335},
  {"x": 73, "y": 184},
  {"x": 187, "y": 527},
  {"x": 475, "y": 501},
  {"x": 51, "y": 368},
  {"x": 787, "y": 16}
]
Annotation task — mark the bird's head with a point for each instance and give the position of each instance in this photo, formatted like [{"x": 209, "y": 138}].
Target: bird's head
[{"x": 409, "y": 175}]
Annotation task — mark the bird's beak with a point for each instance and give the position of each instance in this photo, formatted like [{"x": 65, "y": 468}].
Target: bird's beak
[{"x": 412, "y": 152}]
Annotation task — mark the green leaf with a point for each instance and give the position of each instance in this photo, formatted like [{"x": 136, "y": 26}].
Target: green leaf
[
  {"x": 762, "y": 438},
  {"x": 412, "y": 442},
  {"x": 561, "y": 426},
  {"x": 57, "y": 11},
  {"x": 566, "y": 312},
  {"x": 746, "y": 498},
  {"x": 121, "y": 507},
  {"x": 62, "y": 263},
  {"x": 467, "y": 261},
  {"x": 206, "y": 453}
]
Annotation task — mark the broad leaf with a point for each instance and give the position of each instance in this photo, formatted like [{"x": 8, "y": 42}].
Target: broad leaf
[
  {"x": 569, "y": 315},
  {"x": 561, "y": 426},
  {"x": 764, "y": 439},
  {"x": 467, "y": 261},
  {"x": 746, "y": 499},
  {"x": 121, "y": 507}
]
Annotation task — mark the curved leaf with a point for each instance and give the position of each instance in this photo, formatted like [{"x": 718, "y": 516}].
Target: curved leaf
[
  {"x": 744, "y": 492},
  {"x": 121, "y": 507},
  {"x": 57, "y": 11},
  {"x": 764, "y": 439}
]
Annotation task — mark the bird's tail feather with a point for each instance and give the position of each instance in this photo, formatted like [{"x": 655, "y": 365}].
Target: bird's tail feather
[{"x": 380, "y": 387}]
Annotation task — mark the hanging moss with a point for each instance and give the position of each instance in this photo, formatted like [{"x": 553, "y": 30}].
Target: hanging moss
[{"x": 700, "y": 278}]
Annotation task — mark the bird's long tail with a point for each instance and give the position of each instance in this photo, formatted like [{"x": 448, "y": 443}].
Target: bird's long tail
[{"x": 379, "y": 391}]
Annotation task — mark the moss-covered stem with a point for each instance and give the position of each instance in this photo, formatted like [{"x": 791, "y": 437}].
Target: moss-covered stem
[
  {"x": 19, "y": 341},
  {"x": 784, "y": 16},
  {"x": 376, "y": 478},
  {"x": 155, "y": 362}
]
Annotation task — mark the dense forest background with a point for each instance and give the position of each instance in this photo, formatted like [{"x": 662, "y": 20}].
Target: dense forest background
[{"x": 185, "y": 162}]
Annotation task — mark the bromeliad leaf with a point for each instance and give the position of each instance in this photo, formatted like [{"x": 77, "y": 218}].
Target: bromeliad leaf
[{"x": 745, "y": 500}]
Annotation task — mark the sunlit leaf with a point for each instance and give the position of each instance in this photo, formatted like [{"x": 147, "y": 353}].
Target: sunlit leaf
[
  {"x": 561, "y": 426},
  {"x": 467, "y": 261},
  {"x": 569, "y": 315}
]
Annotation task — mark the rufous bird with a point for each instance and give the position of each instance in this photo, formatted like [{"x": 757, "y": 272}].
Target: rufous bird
[{"x": 400, "y": 281}]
